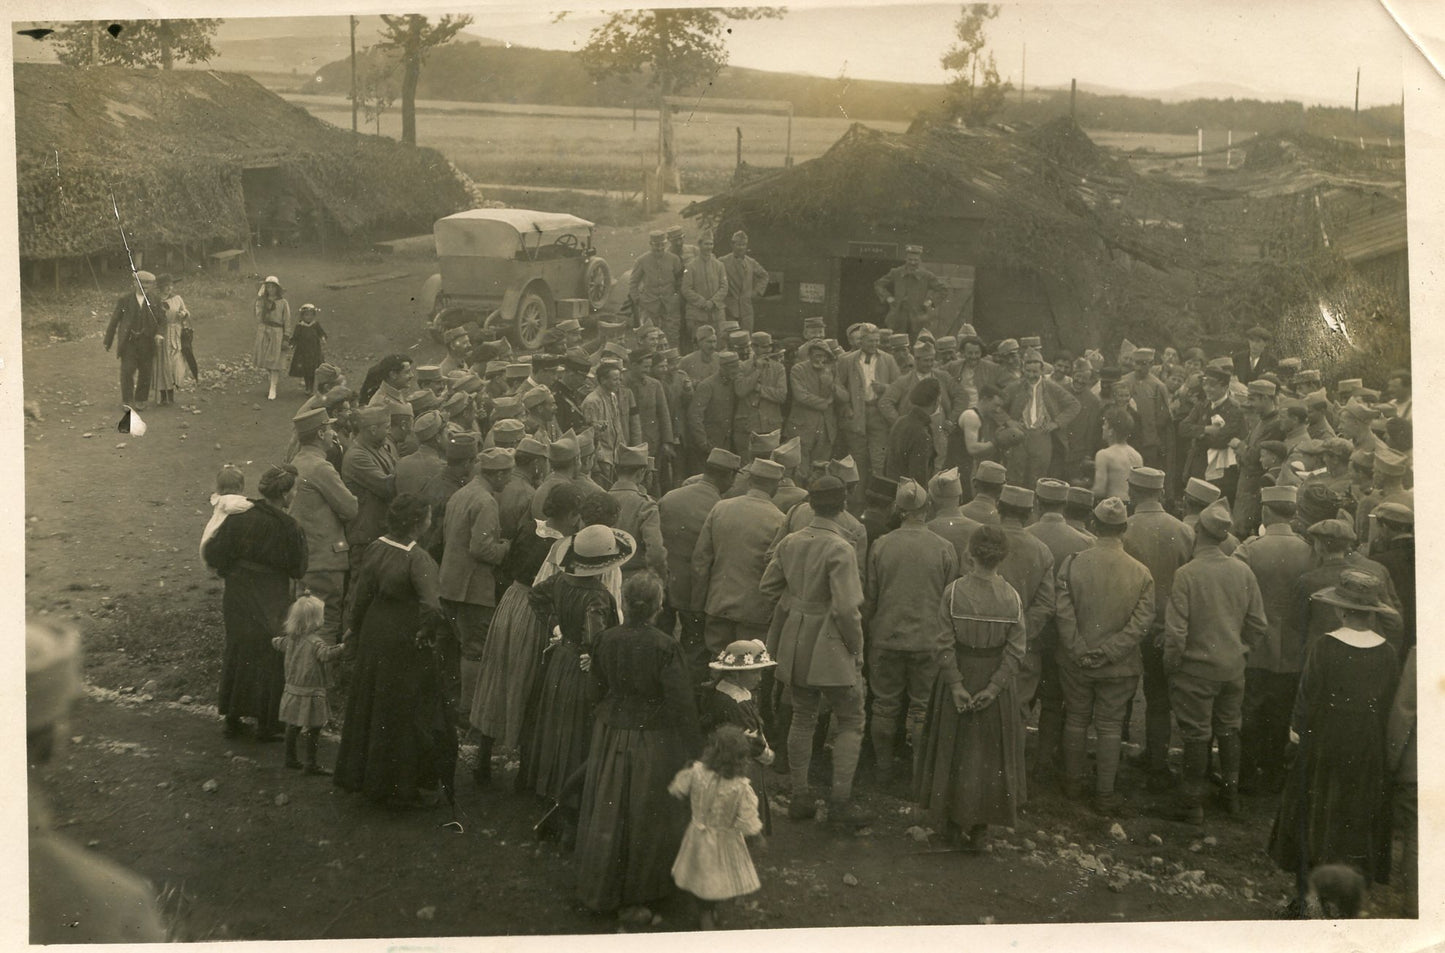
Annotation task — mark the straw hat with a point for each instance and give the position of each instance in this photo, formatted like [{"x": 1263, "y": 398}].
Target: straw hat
[
  {"x": 1358, "y": 590},
  {"x": 744, "y": 655},
  {"x": 596, "y": 549}
]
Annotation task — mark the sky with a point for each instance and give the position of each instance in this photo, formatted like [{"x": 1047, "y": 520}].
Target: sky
[{"x": 1306, "y": 50}]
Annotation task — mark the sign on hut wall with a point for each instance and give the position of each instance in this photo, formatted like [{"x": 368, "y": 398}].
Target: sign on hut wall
[
  {"x": 873, "y": 250},
  {"x": 812, "y": 292}
]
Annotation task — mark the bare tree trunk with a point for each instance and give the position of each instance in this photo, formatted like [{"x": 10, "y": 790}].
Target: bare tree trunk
[
  {"x": 669, "y": 178},
  {"x": 410, "y": 75}
]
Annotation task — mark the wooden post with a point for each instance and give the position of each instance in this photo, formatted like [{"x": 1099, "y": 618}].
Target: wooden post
[
  {"x": 353, "y": 73},
  {"x": 1229, "y": 154},
  {"x": 1200, "y": 135},
  {"x": 1073, "y": 95},
  {"x": 57, "y": 276},
  {"x": 739, "y": 164},
  {"x": 788, "y": 155}
]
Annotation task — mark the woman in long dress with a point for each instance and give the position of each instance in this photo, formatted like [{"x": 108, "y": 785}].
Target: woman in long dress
[
  {"x": 1335, "y": 808},
  {"x": 170, "y": 363},
  {"x": 645, "y": 732},
  {"x": 579, "y": 609},
  {"x": 273, "y": 330},
  {"x": 517, "y": 635},
  {"x": 971, "y": 773},
  {"x": 394, "y": 745},
  {"x": 258, "y": 552}
]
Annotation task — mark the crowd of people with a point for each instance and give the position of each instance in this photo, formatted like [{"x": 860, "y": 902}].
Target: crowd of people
[{"x": 651, "y": 576}]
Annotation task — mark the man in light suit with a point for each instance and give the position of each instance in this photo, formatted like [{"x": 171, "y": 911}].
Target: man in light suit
[{"x": 866, "y": 374}]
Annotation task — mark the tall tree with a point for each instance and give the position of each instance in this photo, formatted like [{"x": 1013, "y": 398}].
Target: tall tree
[
  {"x": 137, "y": 43},
  {"x": 975, "y": 92},
  {"x": 681, "y": 49},
  {"x": 412, "y": 37}
]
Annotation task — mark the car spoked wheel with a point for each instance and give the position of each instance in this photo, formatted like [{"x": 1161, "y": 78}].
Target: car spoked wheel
[
  {"x": 531, "y": 321},
  {"x": 599, "y": 283}
]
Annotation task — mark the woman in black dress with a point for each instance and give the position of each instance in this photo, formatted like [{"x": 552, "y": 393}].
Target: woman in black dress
[
  {"x": 394, "y": 745},
  {"x": 1335, "y": 808},
  {"x": 258, "y": 553},
  {"x": 646, "y": 730},
  {"x": 306, "y": 341}
]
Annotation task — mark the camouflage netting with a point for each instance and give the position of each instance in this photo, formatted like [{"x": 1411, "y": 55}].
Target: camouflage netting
[{"x": 170, "y": 147}]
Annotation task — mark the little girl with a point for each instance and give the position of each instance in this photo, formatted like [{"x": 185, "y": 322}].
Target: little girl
[
  {"x": 306, "y": 342},
  {"x": 713, "y": 862},
  {"x": 732, "y": 700},
  {"x": 303, "y": 703},
  {"x": 230, "y": 482}
]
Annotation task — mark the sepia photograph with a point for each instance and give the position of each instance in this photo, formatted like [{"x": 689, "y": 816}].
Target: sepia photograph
[{"x": 512, "y": 472}]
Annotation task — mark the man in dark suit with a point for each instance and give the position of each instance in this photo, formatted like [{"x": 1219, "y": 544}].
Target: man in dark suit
[
  {"x": 135, "y": 329},
  {"x": 1258, "y": 358}
]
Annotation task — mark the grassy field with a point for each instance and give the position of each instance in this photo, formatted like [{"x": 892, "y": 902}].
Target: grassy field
[{"x": 596, "y": 149}]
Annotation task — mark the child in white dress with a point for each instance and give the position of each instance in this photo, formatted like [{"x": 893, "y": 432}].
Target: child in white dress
[
  {"x": 713, "y": 863},
  {"x": 303, "y": 703}
]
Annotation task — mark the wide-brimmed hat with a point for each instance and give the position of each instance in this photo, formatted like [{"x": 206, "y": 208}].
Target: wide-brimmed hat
[
  {"x": 744, "y": 655},
  {"x": 1358, "y": 590},
  {"x": 596, "y": 549}
]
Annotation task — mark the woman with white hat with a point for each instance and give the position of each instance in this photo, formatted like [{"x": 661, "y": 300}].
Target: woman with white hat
[
  {"x": 1335, "y": 808},
  {"x": 273, "y": 330}
]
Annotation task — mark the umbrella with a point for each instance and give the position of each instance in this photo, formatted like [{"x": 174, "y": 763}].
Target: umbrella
[{"x": 188, "y": 335}]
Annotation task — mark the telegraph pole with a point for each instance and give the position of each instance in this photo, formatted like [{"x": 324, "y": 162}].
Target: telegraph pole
[
  {"x": 1023, "y": 74},
  {"x": 1357, "y": 92},
  {"x": 353, "y": 73}
]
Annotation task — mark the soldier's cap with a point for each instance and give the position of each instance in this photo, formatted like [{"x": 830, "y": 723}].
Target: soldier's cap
[
  {"x": 844, "y": 469},
  {"x": 1081, "y": 496},
  {"x": 1147, "y": 478},
  {"x": 1390, "y": 462},
  {"x": 1338, "y": 447},
  {"x": 912, "y": 249},
  {"x": 373, "y": 414},
  {"x": 334, "y": 397},
  {"x": 1018, "y": 496},
  {"x": 422, "y": 401},
  {"x": 924, "y": 344},
  {"x": 764, "y": 469},
  {"x": 1357, "y": 590},
  {"x": 1279, "y": 494},
  {"x": 946, "y": 484},
  {"x": 312, "y": 420},
  {"x": 518, "y": 372},
  {"x": 830, "y": 489},
  {"x": 1110, "y": 375},
  {"x": 910, "y": 496},
  {"x": 461, "y": 446},
  {"x": 880, "y": 489},
  {"x": 729, "y": 326},
  {"x": 739, "y": 337},
  {"x": 724, "y": 459},
  {"x": 399, "y": 409},
  {"x": 789, "y": 454},
  {"x": 1364, "y": 460},
  {"x": 577, "y": 359},
  {"x": 530, "y": 446},
  {"x": 1295, "y": 406},
  {"x": 609, "y": 364},
  {"x": 586, "y": 442},
  {"x": 675, "y": 230},
  {"x": 1368, "y": 394},
  {"x": 1262, "y": 388},
  {"x": 657, "y": 236},
  {"x": 1387, "y": 410},
  {"x": 1275, "y": 447},
  {"x": 426, "y": 372},
  {"x": 640, "y": 353},
  {"x": 1006, "y": 346},
  {"x": 1032, "y": 341},
  {"x": 704, "y": 331},
  {"x": 668, "y": 354},
  {"x": 328, "y": 374},
  {"x": 1348, "y": 386},
  {"x": 1333, "y": 528},
  {"x": 564, "y": 449},
  {"x": 632, "y": 456},
  {"x": 1111, "y": 512},
  {"x": 1220, "y": 374},
  {"x": 536, "y": 397},
  {"x": 1291, "y": 364},
  {"x": 1310, "y": 447},
  {"x": 854, "y": 328},
  {"x": 453, "y": 334},
  {"x": 727, "y": 357},
  {"x": 991, "y": 472},
  {"x": 948, "y": 343},
  {"x": 495, "y": 368},
  {"x": 1258, "y": 333},
  {"x": 762, "y": 339},
  {"x": 1050, "y": 490},
  {"x": 1307, "y": 376},
  {"x": 966, "y": 330},
  {"x": 473, "y": 330},
  {"x": 762, "y": 444},
  {"x": 428, "y": 425},
  {"x": 898, "y": 340},
  {"x": 1215, "y": 519},
  {"x": 814, "y": 321},
  {"x": 497, "y": 458},
  {"x": 1142, "y": 354},
  {"x": 504, "y": 407},
  {"x": 1397, "y": 513},
  {"x": 510, "y": 427},
  {"x": 455, "y": 403},
  {"x": 1201, "y": 491}
]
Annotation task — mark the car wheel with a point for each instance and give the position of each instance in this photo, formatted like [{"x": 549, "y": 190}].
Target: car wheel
[
  {"x": 532, "y": 321},
  {"x": 599, "y": 283}
]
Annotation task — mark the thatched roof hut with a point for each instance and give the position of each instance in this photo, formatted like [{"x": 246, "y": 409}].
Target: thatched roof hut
[{"x": 175, "y": 153}]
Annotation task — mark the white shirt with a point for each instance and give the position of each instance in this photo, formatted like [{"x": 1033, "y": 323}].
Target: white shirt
[{"x": 867, "y": 366}]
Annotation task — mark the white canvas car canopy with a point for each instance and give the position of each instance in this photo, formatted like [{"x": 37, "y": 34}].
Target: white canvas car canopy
[{"x": 502, "y": 232}]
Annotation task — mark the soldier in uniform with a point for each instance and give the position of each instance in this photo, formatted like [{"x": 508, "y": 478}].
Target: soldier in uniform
[
  {"x": 910, "y": 291},
  {"x": 989, "y": 478},
  {"x": 638, "y": 514},
  {"x": 747, "y": 280},
  {"x": 945, "y": 490},
  {"x": 656, "y": 278},
  {"x": 681, "y": 513},
  {"x": 816, "y": 396},
  {"x": 369, "y": 471},
  {"x": 730, "y": 556},
  {"x": 713, "y": 410},
  {"x": 704, "y": 287}
]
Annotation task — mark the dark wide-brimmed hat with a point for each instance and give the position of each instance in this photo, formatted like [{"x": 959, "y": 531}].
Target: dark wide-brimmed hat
[{"x": 1357, "y": 590}]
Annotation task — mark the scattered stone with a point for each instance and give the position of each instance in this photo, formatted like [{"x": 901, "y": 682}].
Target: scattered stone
[
  {"x": 242, "y": 761},
  {"x": 151, "y": 687},
  {"x": 163, "y": 784},
  {"x": 920, "y": 835},
  {"x": 92, "y": 843},
  {"x": 1156, "y": 861},
  {"x": 323, "y": 843},
  {"x": 186, "y": 699},
  {"x": 1117, "y": 884},
  {"x": 211, "y": 786},
  {"x": 850, "y": 880},
  {"x": 1059, "y": 840},
  {"x": 283, "y": 799},
  {"x": 87, "y": 436},
  {"x": 1116, "y": 831},
  {"x": 1156, "y": 841},
  {"x": 120, "y": 446},
  {"x": 218, "y": 446},
  {"x": 1030, "y": 845},
  {"x": 1195, "y": 847},
  {"x": 1211, "y": 841},
  {"x": 1247, "y": 893}
]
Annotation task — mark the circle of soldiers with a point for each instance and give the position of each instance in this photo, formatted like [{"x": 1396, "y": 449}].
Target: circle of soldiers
[{"x": 939, "y": 541}]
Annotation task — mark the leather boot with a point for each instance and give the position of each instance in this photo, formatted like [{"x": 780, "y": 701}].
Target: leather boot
[
  {"x": 1229, "y": 757},
  {"x": 1051, "y": 739},
  {"x": 1188, "y": 805},
  {"x": 1075, "y": 784},
  {"x": 881, "y": 731},
  {"x": 292, "y": 734},
  {"x": 313, "y": 742}
]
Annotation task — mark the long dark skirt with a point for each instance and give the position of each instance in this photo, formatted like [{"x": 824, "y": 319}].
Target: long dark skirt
[
  {"x": 630, "y": 827},
  {"x": 253, "y": 674},
  {"x": 971, "y": 770},
  {"x": 510, "y": 662},
  {"x": 395, "y": 714},
  {"x": 559, "y": 724}
]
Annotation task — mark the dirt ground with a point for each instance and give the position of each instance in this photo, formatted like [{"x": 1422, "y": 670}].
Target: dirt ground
[{"x": 112, "y": 524}]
